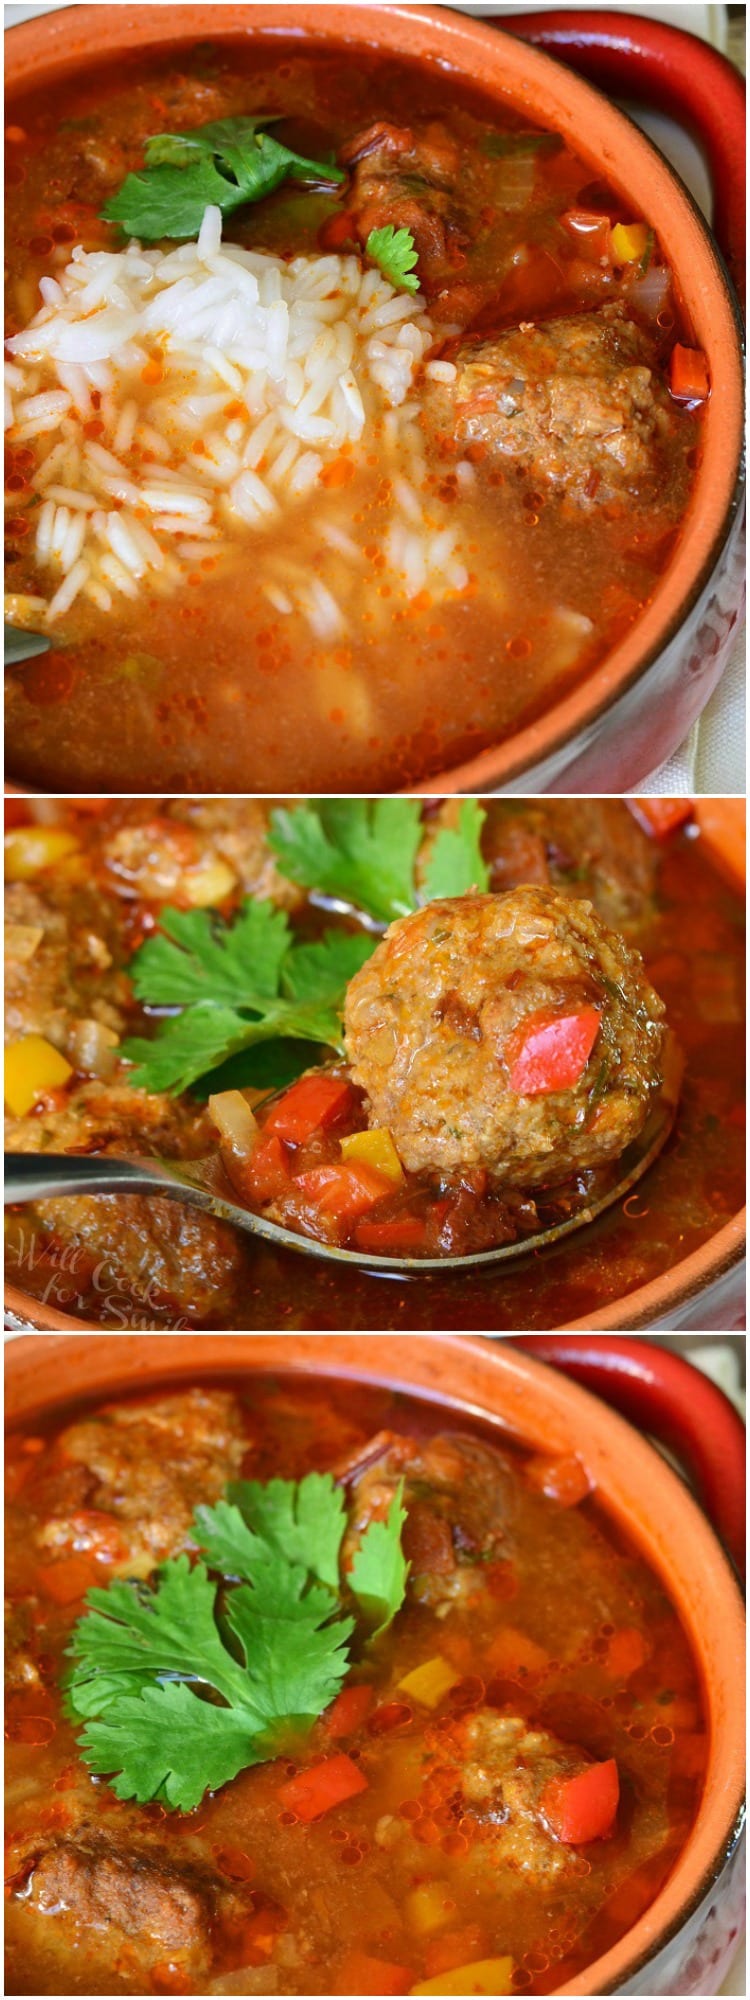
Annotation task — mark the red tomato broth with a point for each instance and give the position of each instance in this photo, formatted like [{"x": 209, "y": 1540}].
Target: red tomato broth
[
  {"x": 211, "y": 689},
  {"x": 402, "y": 1824}
]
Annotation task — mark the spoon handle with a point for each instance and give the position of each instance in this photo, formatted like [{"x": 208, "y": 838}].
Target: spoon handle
[{"x": 38, "y": 1176}]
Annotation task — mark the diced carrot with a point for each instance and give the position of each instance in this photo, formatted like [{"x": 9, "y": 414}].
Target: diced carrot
[
  {"x": 550, "y": 1051},
  {"x": 661, "y": 816},
  {"x": 563, "y": 1479},
  {"x": 317, "y": 1790},
  {"x": 392, "y": 1239},
  {"x": 513, "y": 1651},
  {"x": 688, "y": 374},
  {"x": 485, "y": 1975},
  {"x": 64, "y": 1582},
  {"x": 583, "y": 1808},
  {"x": 348, "y": 1711},
  {"x": 310, "y": 1105},
  {"x": 360, "y": 1974},
  {"x": 345, "y": 1191},
  {"x": 267, "y": 1173},
  {"x": 626, "y": 1652}
]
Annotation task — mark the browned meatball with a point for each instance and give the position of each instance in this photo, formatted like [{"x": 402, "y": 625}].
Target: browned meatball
[
  {"x": 438, "y": 1026},
  {"x": 575, "y": 401}
]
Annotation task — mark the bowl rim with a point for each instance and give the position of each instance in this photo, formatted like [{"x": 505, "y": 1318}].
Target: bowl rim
[
  {"x": 462, "y": 40},
  {"x": 465, "y": 1372}
]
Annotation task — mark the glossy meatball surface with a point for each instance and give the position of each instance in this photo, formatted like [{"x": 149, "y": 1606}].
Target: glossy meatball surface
[{"x": 435, "y": 1020}]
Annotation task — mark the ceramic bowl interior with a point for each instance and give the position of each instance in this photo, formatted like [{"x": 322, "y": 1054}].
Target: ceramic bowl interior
[{"x": 520, "y": 1395}]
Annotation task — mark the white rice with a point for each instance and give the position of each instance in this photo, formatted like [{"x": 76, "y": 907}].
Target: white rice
[{"x": 315, "y": 353}]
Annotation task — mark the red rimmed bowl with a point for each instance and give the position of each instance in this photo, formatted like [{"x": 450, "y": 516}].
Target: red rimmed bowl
[
  {"x": 684, "y": 1942},
  {"x": 633, "y": 710}
]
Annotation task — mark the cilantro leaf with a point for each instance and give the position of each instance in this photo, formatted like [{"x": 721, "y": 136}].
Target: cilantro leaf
[
  {"x": 184, "y": 1048},
  {"x": 360, "y": 851},
  {"x": 224, "y": 164},
  {"x": 167, "y": 1743},
  {"x": 455, "y": 863},
  {"x": 277, "y": 987},
  {"x": 378, "y": 1574},
  {"x": 192, "y": 958},
  {"x": 303, "y": 1522},
  {"x": 393, "y": 249},
  {"x": 130, "y": 1629},
  {"x": 296, "y": 1650}
]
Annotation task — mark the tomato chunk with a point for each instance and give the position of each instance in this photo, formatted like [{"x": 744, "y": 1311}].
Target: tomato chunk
[
  {"x": 346, "y": 1190},
  {"x": 550, "y": 1051},
  {"x": 65, "y": 1582},
  {"x": 661, "y": 816},
  {"x": 583, "y": 1808},
  {"x": 317, "y": 1790},
  {"x": 311, "y": 1105}
]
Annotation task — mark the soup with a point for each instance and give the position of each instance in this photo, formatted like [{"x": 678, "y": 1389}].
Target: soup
[
  {"x": 274, "y": 506},
  {"x": 205, "y": 951},
  {"x": 485, "y": 1795}
]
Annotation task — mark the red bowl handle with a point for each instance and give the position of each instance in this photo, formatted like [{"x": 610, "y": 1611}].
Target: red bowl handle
[
  {"x": 675, "y": 1403},
  {"x": 629, "y": 56}
]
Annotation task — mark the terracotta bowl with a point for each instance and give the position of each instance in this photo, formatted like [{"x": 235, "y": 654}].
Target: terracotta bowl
[
  {"x": 704, "y": 1289},
  {"x": 685, "y": 1941},
  {"x": 633, "y": 710}
]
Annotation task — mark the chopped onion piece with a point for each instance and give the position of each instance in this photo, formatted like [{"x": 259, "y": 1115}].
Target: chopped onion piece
[{"x": 234, "y": 1121}]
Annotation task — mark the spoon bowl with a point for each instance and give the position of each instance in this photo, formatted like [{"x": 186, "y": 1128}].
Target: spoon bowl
[{"x": 201, "y": 1184}]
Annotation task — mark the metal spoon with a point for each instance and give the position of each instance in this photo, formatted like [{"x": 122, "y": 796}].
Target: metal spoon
[
  {"x": 21, "y": 645},
  {"x": 41, "y": 1176}
]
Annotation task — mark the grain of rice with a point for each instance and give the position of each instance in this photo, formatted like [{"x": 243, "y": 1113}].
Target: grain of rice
[
  {"x": 441, "y": 371},
  {"x": 74, "y": 540},
  {"x": 70, "y": 497},
  {"x": 68, "y": 591}
]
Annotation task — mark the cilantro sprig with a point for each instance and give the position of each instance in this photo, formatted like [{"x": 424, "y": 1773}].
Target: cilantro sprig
[
  {"x": 238, "y": 985},
  {"x": 394, "y": 252},
  {"x": 211, "y": 1670},
  {"x": 364, "y": 852},
  {"x": 224, "y": 164}
]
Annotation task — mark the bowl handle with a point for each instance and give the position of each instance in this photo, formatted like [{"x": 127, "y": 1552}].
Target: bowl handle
[
  {"x": 663, "y": 1395},
  {"x": 626, "y": 55}
]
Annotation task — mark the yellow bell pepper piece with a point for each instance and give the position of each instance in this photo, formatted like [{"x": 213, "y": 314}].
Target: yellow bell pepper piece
[
  {"x": 486, "y": 1975},
  {"x": 376, "y": 1148},
  {"x": 628, "y": 240},
  {"x": 430, "y": 1682},
  {"x": 29, "y": 849},
  {"x": 32, "y": 1066},
  {"x": 207, "y": 886},
  {"x": 426, "y": 1907}
]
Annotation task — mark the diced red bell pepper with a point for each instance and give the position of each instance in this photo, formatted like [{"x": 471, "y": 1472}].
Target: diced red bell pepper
[
  {"x": 583, "y": 1808},
  {"x": 310, "y": 1105},
  {"x": 661, "y": 816},
  {"x": 267, "y": 1172},
  {"x": 392, "y": 1239},
  {"x": 551, "y": 1051},
  {"x": 317, "y": 1790},
  {"x": 347, "y": 1190},
  {"x": 688, "y": 374},
  {"x": 348, "y": 1711}
]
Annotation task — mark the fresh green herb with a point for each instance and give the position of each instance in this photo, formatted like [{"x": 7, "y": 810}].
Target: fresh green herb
[
  {"x": 379, "y": 1571},
  {"x": 170, "y": 1706},
  {"x": 357, "y": 851},
  {"x": 363, "y": 852},
  {"x": 393, "y": 250},
  {"x": 224, "y": 164},
  {"x": 455, "y": 863},
  {"x": 238, "y": 985}
]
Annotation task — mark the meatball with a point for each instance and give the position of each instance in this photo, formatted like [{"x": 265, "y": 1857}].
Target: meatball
[
  {"x": 439, "y": 1024},
  {"x": 575, "y": 402}
]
